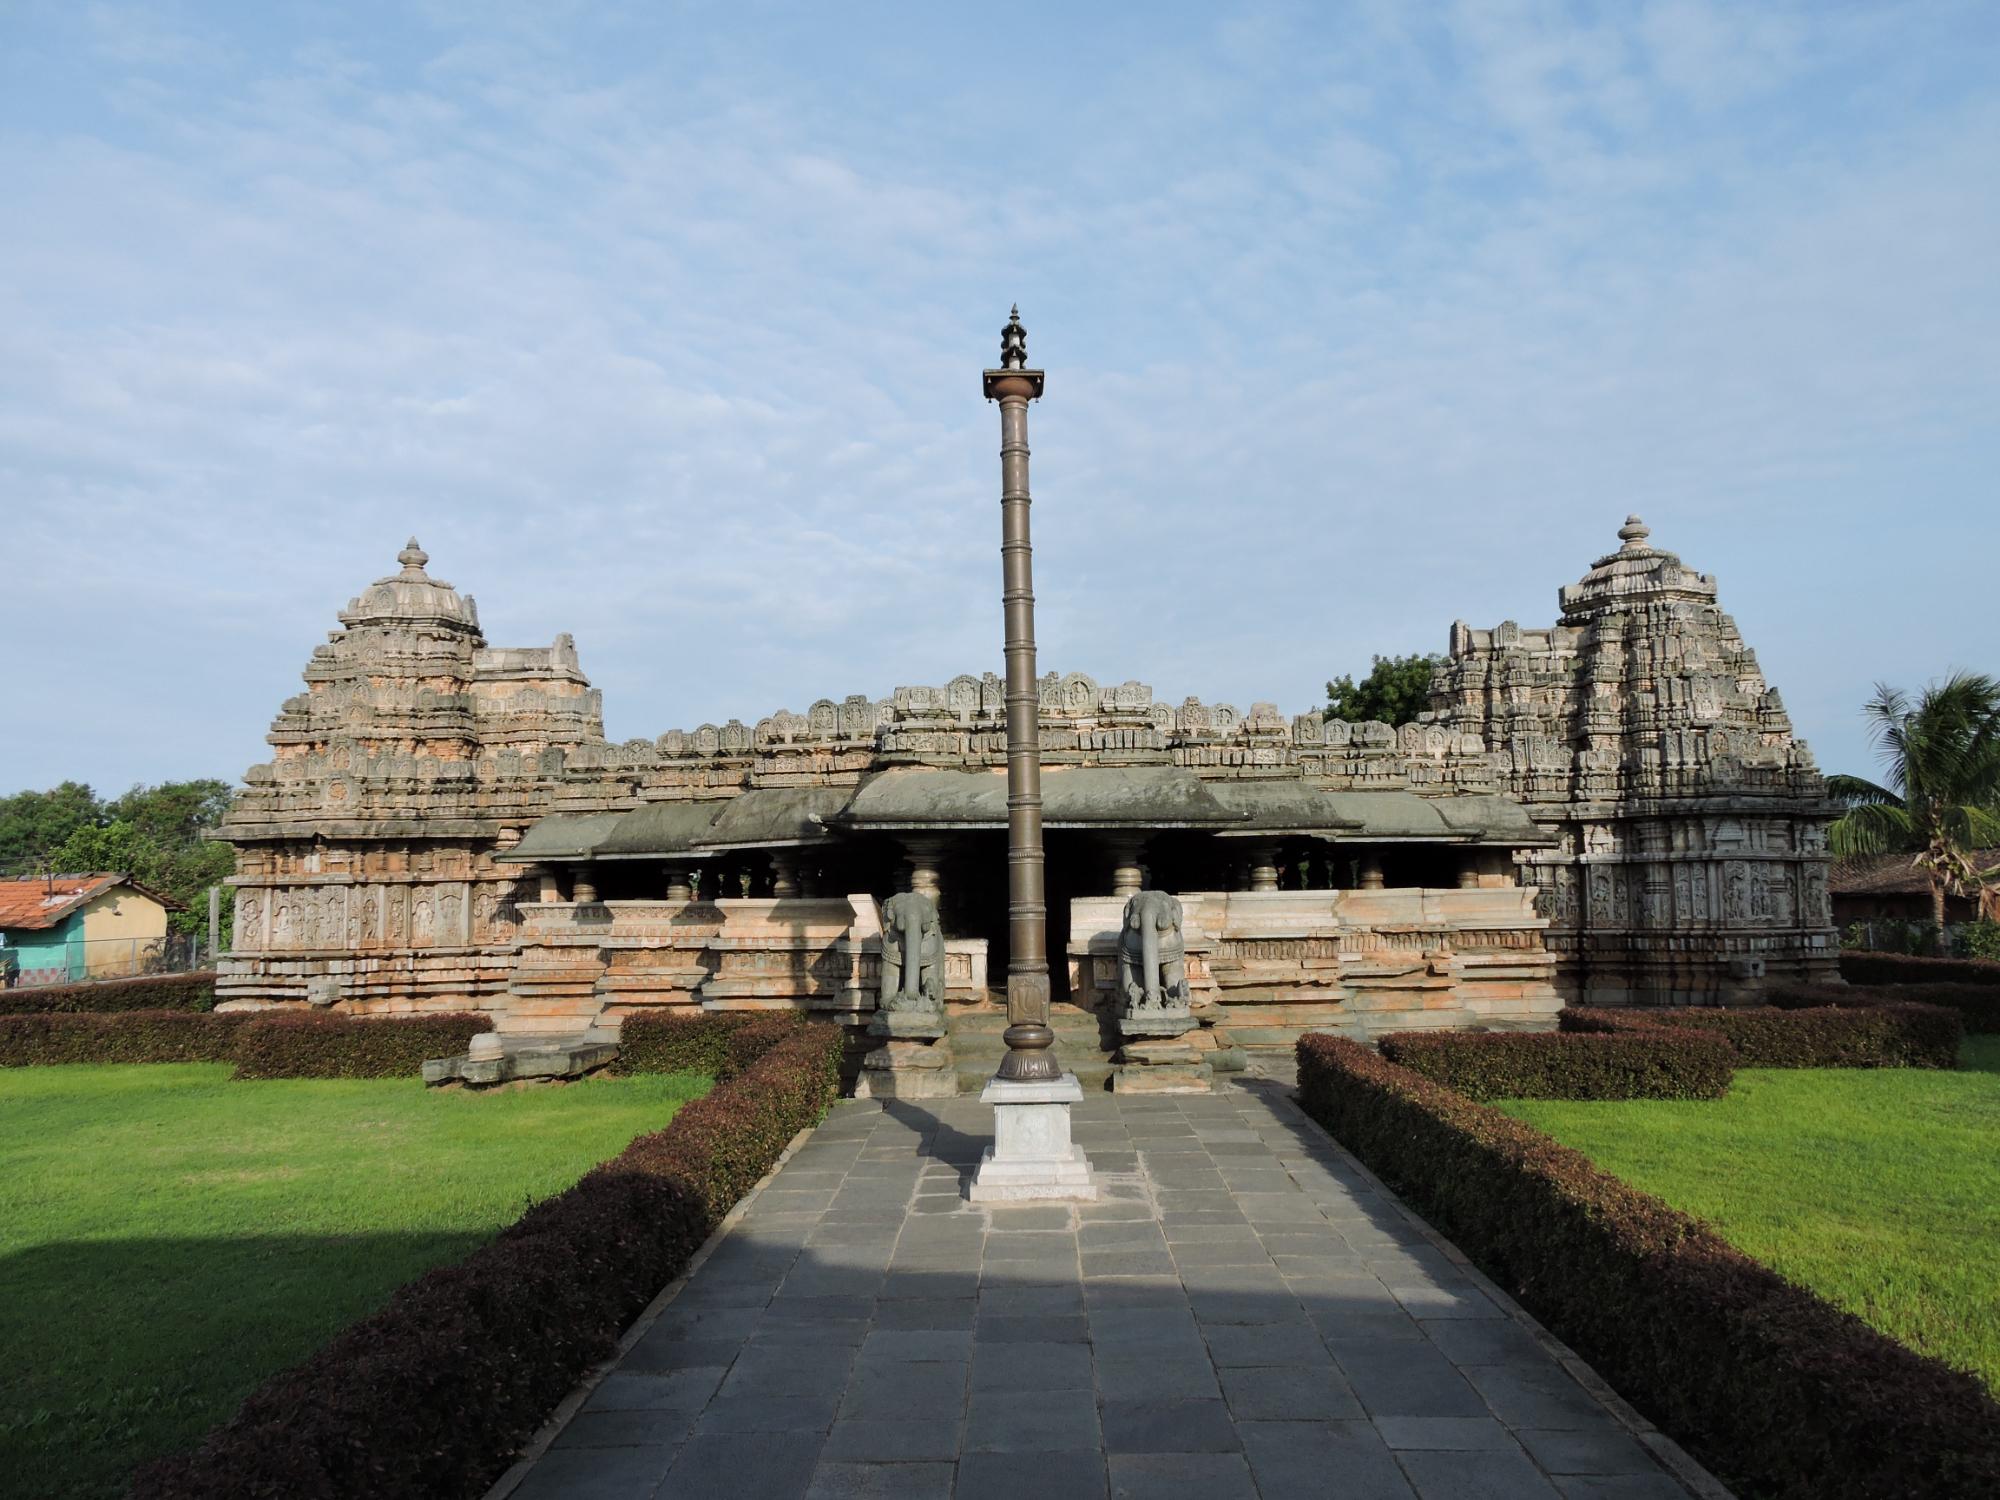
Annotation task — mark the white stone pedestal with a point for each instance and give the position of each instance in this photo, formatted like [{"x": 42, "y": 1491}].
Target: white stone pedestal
[{"x": 1032, "y": 1156}]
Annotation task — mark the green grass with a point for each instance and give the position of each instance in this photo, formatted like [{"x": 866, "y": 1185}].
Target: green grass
[
  {"x": 1878, "y": 1189},
  {"x": 169, "y": 1238}
]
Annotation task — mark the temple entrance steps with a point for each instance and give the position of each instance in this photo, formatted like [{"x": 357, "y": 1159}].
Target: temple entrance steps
[{"x": 976, "y": 1045}]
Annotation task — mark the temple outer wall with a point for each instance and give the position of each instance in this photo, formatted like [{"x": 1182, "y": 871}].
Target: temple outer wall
[{"x": 1356, "y": 962}]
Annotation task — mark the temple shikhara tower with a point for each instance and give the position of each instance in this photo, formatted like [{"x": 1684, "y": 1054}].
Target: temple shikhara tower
[{"x": 1613, "y": 808}]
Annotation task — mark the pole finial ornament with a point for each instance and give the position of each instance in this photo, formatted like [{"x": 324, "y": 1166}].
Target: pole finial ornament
[{"x": 1014, "y": 342}]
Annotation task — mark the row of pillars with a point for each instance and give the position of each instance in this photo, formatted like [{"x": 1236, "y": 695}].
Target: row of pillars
[{"x": 1263, "y": 871}]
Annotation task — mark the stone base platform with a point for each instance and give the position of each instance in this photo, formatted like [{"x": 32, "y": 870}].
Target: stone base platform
[{"x": 526, "y": 1060}]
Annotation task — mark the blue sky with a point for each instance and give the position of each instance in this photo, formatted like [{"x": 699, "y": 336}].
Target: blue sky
[{"x": 663, "y": 325}]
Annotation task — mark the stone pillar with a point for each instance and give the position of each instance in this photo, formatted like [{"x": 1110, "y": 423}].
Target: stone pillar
[
  {"x": 1468, "y": 870},
  {"x": 1128, "y": 876},
  {"x": 1032, "y": 1155},
  {"x": 784, "y": 874},
  {"x": 678, "y": 886},
  {"x": 548, "y": 884},
  {"x": 1264, "y": 867},
  {"x": 1371, "y": 872},
  {"x": 926, "y": 858},
  {"x": 583, "y": 886}
]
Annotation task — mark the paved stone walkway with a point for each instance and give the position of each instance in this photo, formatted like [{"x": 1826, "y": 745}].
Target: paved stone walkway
[{"x": 1243, "y": 1315}]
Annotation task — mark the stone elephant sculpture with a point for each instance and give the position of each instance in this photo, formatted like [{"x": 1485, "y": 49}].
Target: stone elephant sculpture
[
  {"x": 912, "y": 953},
  {"x": 1152, "y": 955}
]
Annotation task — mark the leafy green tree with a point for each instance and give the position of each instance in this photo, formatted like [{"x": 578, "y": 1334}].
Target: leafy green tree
[
  {"x": 1941, "y": 797},
  {"x": 1395, "y": 691},
  {"x": 152, "y": 833},
  {"x": 33, "y": 825}
]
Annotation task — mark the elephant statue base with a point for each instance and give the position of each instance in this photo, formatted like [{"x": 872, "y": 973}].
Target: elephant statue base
[
  {"x": 914, "y": 1060},
  {"x": 1157, "y": 1010}
]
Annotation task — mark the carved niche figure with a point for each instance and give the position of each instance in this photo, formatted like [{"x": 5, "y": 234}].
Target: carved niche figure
[
  {"x": 1152, "y": 955},
  {"x": 912, "y": 953},
  {"x": 371, "y": 920},
  {"x": 448, "y": 917},
  {"x": 420, "y": 924},
  {"x": 248, "y": 932}
]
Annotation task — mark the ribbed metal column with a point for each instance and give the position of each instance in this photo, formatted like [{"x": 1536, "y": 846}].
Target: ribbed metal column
[{"x": 1030, "y": 1042}]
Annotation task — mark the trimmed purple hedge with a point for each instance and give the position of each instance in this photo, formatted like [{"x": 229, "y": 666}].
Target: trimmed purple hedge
[
  {"x": 262, "y": 1044},
  {"x": 194, "y": 992},
  {"x": 1780, "y": 1393},
  {"x": 335, "y": 1046},
  {"x": 433, "y": 1395},
  {"x": 1862, "y": 967},
  {"x": 128, "y": 1036},
  {"x": 719, "y": 1044},
  {"x": 1874, "y": 1036},
  {"x": 1634, "y": 1064},
  {"x": 1979, "y": 1004}
]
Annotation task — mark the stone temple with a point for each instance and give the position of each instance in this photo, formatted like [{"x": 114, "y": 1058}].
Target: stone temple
[{"x": 1612, "y": 809}]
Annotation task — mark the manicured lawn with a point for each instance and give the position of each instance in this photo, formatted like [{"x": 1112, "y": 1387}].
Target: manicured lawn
[
  {"x": 168, "y": 1238},
  {"x": 1879, "y": 1189}
]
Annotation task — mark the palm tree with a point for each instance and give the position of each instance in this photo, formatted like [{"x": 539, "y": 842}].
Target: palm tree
[{"x": 1942, "y": 801}]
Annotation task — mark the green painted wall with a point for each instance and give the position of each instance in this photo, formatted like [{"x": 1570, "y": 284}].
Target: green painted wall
[{"x": 58, "y": 947}]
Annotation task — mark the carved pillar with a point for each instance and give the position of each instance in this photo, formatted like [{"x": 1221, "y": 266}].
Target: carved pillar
[
  {"x": 1468, "y": 870},
  {"x": 1264, "y": 867},
  {"x": 548, "y": 883},
  {"x": 784, "y": 874},
  {"x": 583, "y": 886},
  {"x": 679, "y": 887},
  {"x": 1371, "y": 872},
  {"x": 926, "y": 857},
  {"x": 1128, "y": 876}
]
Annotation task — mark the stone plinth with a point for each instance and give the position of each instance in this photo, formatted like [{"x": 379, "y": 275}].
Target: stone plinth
[
  {"x": 1157, "y": 1056},
  {"x": 915, "y": 1059},
  {"x": 488, "y": 1064},
  {"x": 1032, "y": 1157}
]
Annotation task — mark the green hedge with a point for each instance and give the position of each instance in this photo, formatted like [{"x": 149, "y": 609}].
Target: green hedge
[
  {"x": 262, "y": 1044},
  {"x": 433, "y": 1395},
  {"x": 1635, "y": 1064},
  {"x": 720, "y": 1044},
  {"x": 1978, "y": 1004},
  {"x": 1781, "y": 1394},
  {"x": 1863, "y": 967},
  {"x": 336, "y": 1046},
  {"x": 152, "y": 992},
  {"x": 132, "y": 1036},
  {"x": 1874, "y": 1036}
]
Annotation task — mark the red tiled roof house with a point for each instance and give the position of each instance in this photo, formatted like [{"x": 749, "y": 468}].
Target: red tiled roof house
[{"x": 58, "y": 928}]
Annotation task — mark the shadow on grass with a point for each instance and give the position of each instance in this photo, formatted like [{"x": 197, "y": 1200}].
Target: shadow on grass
[{"x": 121, "y": 1350}]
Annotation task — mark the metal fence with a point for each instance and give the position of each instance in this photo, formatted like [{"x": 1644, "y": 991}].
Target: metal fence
[{"x": 102, "y": 958}]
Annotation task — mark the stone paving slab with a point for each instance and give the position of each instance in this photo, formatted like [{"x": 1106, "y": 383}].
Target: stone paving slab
[{"x": 1245, "y": 1313}]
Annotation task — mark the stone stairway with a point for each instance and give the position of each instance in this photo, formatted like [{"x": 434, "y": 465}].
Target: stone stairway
[{"x": 976, "y": 1046}]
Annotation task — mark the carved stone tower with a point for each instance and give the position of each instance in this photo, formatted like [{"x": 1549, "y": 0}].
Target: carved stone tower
[{"x": 1691, "y": 825}]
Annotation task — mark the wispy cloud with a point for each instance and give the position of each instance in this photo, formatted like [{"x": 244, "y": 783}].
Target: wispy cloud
[{"x": 666, "y": 331}]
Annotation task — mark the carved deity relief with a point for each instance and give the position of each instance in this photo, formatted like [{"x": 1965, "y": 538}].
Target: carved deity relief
[
  {"x": 371, "y": 919},
  {"x": 448, "y": 916},
  {"x": 249, "y": 920},
  {"x": 422, "y": 929},
  {"x": 308, "y": 919},
  {"x": 398, "y": 899},
  {"x": 1735, "y": 892},
  {"x": 281, "y": 926}
]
